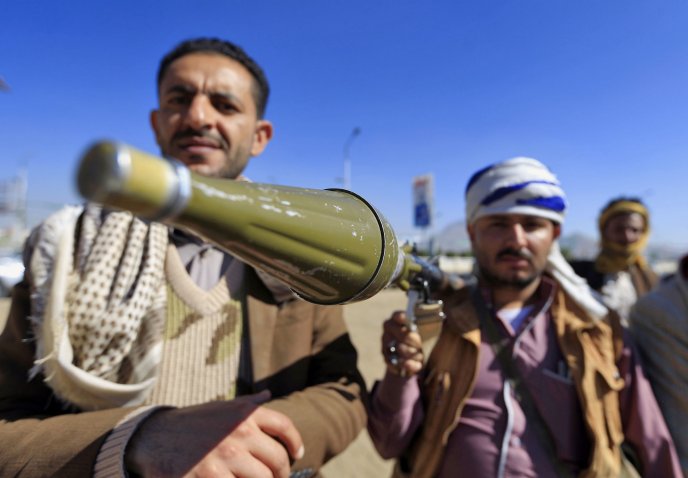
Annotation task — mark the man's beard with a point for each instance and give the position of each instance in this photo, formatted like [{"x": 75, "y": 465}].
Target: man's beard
[
  {"x": 235, "y": 164},
  {"x": 516, "y": 283}
]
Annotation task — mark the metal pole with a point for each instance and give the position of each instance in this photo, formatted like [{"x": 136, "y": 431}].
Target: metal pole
[{"x": 347, "y": 161}]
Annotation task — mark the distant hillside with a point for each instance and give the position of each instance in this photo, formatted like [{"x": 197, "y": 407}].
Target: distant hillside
[
  {"x": 454, "y": 239},
  {"x": 578, "y": 246}
]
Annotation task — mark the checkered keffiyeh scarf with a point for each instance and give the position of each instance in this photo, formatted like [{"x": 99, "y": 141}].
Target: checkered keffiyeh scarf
[{"x": 98, "y": 305}]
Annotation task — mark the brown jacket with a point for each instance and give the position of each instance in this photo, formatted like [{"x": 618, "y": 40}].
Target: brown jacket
[
  {"x": 299, "y": 351},
  {"x": 590, "y": 348}
]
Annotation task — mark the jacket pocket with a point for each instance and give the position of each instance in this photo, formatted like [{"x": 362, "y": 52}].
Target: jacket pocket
[{"x": 557, "y": 401}]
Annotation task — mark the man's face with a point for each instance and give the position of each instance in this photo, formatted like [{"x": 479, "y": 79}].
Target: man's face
[
  {"x": 207, "y": 115},
  {"x": 511, "y": 249},
  {"x": 624, "y": 229}
]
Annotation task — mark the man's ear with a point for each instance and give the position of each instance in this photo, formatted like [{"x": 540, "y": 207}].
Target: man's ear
[
  {"x": 557, "y": 230},
  {"x": 153, "y": 118},
  {"x": 471, "y": 232},
  {"x": 261, "y": 136}
]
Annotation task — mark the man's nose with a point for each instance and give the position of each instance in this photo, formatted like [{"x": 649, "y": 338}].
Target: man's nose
[
  {"x": 517, "y": 235},
  {"x": 198, "y": 114},
  {"x": 630, "y": 236}
]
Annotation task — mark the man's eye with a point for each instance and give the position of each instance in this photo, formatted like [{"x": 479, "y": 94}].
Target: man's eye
[
  {"x": 225, "y": 107},
  {"x": 177, "y": 100}
]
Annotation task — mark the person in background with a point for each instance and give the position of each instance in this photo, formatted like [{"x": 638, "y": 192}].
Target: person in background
[
  {"x": 531, "y": 375},
  {"x": 620, "y": 273},
  {"x": 659, "y": 324},
  {"x": 132, "y": 348}
]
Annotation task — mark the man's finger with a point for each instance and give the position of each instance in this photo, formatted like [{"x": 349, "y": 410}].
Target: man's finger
[
  {"x": 406, "y": 350},
  {"x": 281, "y": 428},
  {"x": 270, "y": 453},
  {"x": 412, "y": 367},
  {"x": 399, "y": 317}
]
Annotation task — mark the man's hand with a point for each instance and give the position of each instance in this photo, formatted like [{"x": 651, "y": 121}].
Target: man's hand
[
  {"x": 401, "y": 348},
  {"x": 236, "y": 438}
]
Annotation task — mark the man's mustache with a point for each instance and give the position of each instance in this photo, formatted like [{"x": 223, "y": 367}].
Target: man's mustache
[
  {"x": 519, "y": 253},
  {"x": 192, "y": 133}
]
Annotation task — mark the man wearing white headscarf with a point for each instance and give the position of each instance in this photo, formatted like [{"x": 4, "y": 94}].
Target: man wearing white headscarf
[{"x": 530, "y": 376}]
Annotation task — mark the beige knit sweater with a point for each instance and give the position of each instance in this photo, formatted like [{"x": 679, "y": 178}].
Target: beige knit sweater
[{"x": 200, "y": 359}]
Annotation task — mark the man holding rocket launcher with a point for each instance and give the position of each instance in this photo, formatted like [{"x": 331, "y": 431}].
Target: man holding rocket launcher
[{"x": 136, "y": 348}]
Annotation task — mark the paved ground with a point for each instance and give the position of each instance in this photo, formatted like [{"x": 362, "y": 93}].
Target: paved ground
[{"x": 364, "y": 319}]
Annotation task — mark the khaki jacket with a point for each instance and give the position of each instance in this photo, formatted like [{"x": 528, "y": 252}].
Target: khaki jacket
[
  {"x": 299, "y": 351},
  {"x": 589, "y": 347}
]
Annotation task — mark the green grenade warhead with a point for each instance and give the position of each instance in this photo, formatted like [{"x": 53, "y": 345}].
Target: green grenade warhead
[{"x": 329, "y": 246}]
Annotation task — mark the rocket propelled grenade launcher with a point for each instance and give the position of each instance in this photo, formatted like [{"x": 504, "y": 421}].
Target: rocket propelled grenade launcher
[{"x": 329, "y": 246}]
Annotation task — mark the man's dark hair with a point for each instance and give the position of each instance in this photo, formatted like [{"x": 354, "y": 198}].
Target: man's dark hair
[{"x": 260, "y": 89}]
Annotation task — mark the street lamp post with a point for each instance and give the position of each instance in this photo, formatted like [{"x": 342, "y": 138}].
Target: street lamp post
[{"x": 347, "y": 160}]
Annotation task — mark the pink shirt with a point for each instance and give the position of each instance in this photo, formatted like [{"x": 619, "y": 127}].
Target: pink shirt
[{"x": 492, "y": 437}]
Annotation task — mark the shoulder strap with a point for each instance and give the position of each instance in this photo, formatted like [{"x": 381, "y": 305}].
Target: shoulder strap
[{"x": 500, "y": 346}]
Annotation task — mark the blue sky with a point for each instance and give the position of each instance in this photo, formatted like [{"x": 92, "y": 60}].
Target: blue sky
[{"x": 597, "y": 90}]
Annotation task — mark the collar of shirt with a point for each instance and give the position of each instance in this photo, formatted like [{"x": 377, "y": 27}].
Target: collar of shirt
[
  {"x": 542, "y": 300},
  {"x": 205, "y": 263}
]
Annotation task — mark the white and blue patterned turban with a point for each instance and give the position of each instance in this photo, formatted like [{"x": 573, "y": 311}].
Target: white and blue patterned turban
[
  {"x": 526, "y": 186},
  {"x": 515, "y": 186}
]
